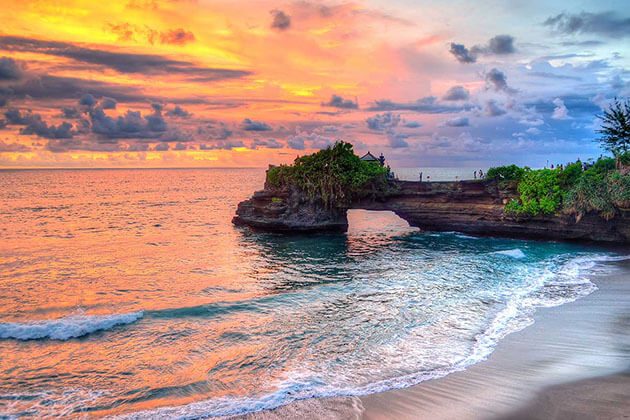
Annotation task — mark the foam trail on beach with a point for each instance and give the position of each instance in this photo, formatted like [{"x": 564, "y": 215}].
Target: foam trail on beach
[
  {"x": 566, "y": 282},
  {"x": 65, "y": 328}
]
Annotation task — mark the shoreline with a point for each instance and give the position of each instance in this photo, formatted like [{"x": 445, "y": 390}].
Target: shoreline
[{"x": 569, "y": 349}]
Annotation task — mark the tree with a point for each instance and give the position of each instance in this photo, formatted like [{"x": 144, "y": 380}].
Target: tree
[{"x": 615, "y": 129}]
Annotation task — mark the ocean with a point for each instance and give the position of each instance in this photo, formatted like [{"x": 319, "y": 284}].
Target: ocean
[{"x": 129, "y": 293}]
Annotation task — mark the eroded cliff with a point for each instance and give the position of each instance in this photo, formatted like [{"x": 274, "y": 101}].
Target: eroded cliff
[{"x": 475, "y": 207}]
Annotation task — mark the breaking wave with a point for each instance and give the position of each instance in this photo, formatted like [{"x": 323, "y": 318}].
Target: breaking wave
[{"x": 65, "y": 328}]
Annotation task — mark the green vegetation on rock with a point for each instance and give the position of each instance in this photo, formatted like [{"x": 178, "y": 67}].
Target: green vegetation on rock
[
  {"x": 506, "y": 173},
  {"x": 600, "y": 189},
  {"x": 334, "y": 175}
]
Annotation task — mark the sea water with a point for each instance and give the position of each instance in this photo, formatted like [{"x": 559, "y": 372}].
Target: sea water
[{"x": 130, "y": 293}]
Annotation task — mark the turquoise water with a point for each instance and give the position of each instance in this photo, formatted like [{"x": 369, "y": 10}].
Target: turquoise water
[{"x": 129, "y": 293}]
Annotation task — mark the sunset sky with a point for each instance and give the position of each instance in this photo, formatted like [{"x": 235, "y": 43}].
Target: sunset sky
[{"x": 148, "y": 83}]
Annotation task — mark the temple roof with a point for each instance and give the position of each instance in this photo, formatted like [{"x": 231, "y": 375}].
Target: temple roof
[{"x": 369, "y": 157}]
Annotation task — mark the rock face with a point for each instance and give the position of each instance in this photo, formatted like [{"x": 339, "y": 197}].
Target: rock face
[{"x": 474, "y": 207}]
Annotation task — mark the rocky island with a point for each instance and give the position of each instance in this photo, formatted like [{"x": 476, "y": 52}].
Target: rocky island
[{"x": 569, "y": 203}]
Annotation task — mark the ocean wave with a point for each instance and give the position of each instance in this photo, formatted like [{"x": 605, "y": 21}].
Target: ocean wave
[
  {"x": 65, "y": 328},
  {"x": 514, "y": 253},
  {"x": 516, "y": 314}
]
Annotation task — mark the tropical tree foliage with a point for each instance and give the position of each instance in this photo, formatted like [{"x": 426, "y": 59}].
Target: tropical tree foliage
[
  {"x": 334, "y": 175},
  {"x": 615, "y": 129}
]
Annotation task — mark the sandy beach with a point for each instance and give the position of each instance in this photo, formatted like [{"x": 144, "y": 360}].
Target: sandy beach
[{"x": 573, "y": 362}]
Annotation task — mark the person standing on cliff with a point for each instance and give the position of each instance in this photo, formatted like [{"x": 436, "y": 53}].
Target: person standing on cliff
[
  {"x": 480, "y": 174},
  {"x": 420, "y": 176},
  {"x": 475, "y": 174}
]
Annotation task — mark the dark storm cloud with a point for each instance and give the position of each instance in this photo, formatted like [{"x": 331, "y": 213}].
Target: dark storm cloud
[
  {"x": 70, "y": 112},
  {"x": 55, "y": 87},
  {"x": 501, "y": 44},
  {"x": 456, "y": 93},
  {"x": 462, "y": 54},
  {"x": 119, "y": 61},
  {"x": 281, "y": 21},
  {"x": 337, "y": 101},
  {"x": 10, "y": 69},
  {"x": 497, "y": 80},
  {"x": 34, "y": 124},
  {"x": 426, "y": 105},
  {"x": 129, "y": 125},
  {"x": 498, "y": 45},
  {"x": 604, "y": 23},
  {"x": 87, "y": 100},
  {"x": 178, "y": 112},
  {"x": 108, "y": 103},
  {"x": 251, "y": 125}
]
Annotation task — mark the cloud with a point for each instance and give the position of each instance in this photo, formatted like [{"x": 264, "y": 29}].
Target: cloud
[
  {"x": 129, "y": 125},
  {"x": 604, "y": 23},
  {"x": 498, "y": 45},
  {"x": 338, "y": 102},
  {"x": 267, "y": 143},
  {"x": 560, "y": 112},
  {"x": 412, "y": 124},
  {"x": 222, "y": 145},
  {"x": 122, "y": 62},
  {"x": 162, "y": 147},
  {"x": 281, "y": 21},
  {"x": 13, "y": 147},
  {"x": 462, "y": 54},
  {"x": 456, "y": 93},
  {"x": 296, "y": 142},
  {"x": 493, "y": 109},
  {"x": 457, "y": 122},
  {"x": 497, "y": 80},
  {"x": 10, "y": 69},
  {"x": 501, "y": 44},
  {"x": 380, "y": 122},
  {"x": 178, "y": 112},
  {"x": 397, "y": 140},
  {"x": 87, "y": 100},
  {"x": 177, "y": 37},
  {"x": 426, "y": 105},
  {"x": 251, "y": 125},
  {"x": 35, "y": 125},
  {"x": 108, "y": 103},
  {"x": 70, "y": 112}
]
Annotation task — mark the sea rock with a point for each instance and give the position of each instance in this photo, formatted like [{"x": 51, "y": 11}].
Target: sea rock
[{"x": 475, "y": 207}]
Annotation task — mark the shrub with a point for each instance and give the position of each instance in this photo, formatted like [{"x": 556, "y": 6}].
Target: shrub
[
  {"x": 507, "y": 173},
  {"x": 540, "y": 193},
  {"x": 334, "y": 175},
  {"x": 570, "y": 175}
]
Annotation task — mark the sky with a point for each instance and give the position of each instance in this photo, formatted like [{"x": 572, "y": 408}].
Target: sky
[{"x": 197, "y": 83}]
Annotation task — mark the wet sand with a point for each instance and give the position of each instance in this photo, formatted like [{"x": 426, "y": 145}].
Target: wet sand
[{"x": 572, "y": 363}]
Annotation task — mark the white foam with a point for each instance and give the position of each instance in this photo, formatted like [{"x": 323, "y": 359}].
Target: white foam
[
  {"x": 515, "y": 315},
  {"x": 65, "y": 328},
  {"x": 514, "y": 253}
]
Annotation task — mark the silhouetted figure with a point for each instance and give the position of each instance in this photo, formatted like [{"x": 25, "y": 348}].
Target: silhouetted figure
[
  {"x": 475, "y": 174},
  {"x": 480, "y": 174},
  {"x": 420, "y": 176}
]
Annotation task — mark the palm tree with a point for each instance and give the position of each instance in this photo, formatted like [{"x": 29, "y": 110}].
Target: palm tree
[{"x": 615, "y": 129}]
